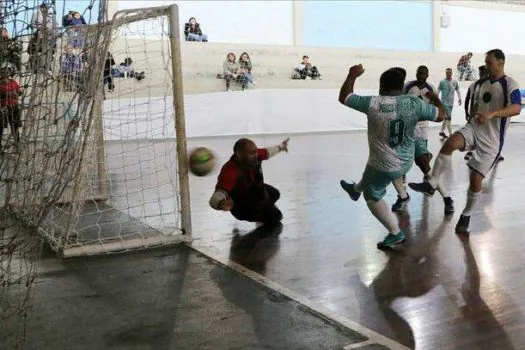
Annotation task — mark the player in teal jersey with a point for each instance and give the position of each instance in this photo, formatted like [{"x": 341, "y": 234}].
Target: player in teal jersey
[
  {"x": 392, "y": 118},
  {"x": 446, "y": 88}
]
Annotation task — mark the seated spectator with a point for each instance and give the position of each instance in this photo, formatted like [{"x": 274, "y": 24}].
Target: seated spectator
[
  {"x": 229, "y": 70},
  {"x": 126, "y": 70},
  {"x": 245, "y": 69},
  {"x": 193, "y": 32},
  {"x": 465, "y": 68},
  {"x": 70, "y": 67},
  {"x": 10, "y": 49},
  {"x": 305, "y": 70},
  {"x": 76, "y": 32}
]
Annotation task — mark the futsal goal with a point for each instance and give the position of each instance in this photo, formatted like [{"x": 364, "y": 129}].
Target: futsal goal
[{"x": 101, "y": 165}]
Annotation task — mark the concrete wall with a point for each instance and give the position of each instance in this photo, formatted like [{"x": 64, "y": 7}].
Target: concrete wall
[{"x": 400, "y": 25}]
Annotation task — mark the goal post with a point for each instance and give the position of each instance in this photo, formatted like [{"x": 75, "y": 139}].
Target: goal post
[{"x": 103, "y": 166}]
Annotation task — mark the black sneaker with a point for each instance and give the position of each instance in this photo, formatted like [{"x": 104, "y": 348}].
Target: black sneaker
[
  {"x": 443, "y": 135},
  {"x": 400, "y": 203},
  {"x": 500, "y": 158},
  {"x": 468, "y": 155},
  {"x": 423, "y": 187},
  {"x": 449, "y": 205},
  {"x": 349, "y": 188},
  {"x": 462, "y": 225}
]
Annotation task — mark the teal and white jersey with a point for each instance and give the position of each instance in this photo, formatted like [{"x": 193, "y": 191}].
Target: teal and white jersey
[
  {"x": 391, "y": 124},
  {"x": 412, "y": 88},
  {"x": 448, "y": 88}
]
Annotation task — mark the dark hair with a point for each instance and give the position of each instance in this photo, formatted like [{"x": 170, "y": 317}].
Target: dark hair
[
  {"x": 392, "y": 79},
  {"x": 450, "y": 69},
  {"x": 305, "y": 57},
  {"x": 244, "y": 53},
  {"x": 228, "y": 56},
  {"x": 421, "y": 68},
  {"x": 240, "y": 144},
  {"x": 483, "y": 67},
  {"x": 401, "y": 71},
  {"x": 498, "y": 54}
]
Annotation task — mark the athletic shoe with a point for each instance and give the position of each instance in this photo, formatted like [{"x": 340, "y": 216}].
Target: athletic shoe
[
  {"x": 392, "y": 240},
  {"x": 449, "y": 205},
  {"x": 500, "y": 158},
  {"x": 443, "y": 135},
  {"x": 423, "y": 187},
  {"x": 400, "y": 203},
  {"x": 349, "y": 188},
  {"x": 462, "y": 225},
  {"x": 468, "y": 155}
]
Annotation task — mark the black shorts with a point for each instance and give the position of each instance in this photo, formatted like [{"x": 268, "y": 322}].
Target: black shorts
[{"x": 10, "y": 115}]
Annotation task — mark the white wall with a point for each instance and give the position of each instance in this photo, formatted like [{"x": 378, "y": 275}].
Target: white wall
[
  {"x": 255, "y": 22},
  {"x": 251, "y": 112},
  {"x": 479, "y": 30}
]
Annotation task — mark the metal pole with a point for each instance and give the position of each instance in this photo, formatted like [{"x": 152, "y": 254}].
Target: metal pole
[{"x": 180, "y": 123}]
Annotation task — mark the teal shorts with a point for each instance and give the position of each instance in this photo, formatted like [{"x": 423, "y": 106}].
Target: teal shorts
[
  {"x": 448, "y": 112},
  {"x": 376, "y": 181},
  {"x": 421, "y": 147}
]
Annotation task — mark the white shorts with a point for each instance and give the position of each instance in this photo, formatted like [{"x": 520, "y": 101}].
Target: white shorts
[{"x": 483, "y": 158}]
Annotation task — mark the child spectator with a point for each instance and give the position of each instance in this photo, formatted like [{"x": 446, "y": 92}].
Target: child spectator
[
  {"x": 193, "y": 32},
  {"x": 245, "y": 70},
  {"x": 70, "y": 67},
  {"x": 305, "y": 70},
  {"x": 9, "y": 106}
]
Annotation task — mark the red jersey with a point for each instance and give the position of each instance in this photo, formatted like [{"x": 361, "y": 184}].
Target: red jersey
[
  {"x": 244, "y": 184},
  {"x": 12, "y": 88}
]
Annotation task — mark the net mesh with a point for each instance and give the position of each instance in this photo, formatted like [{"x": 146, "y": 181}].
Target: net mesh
[{"x": 88, "y": 151}]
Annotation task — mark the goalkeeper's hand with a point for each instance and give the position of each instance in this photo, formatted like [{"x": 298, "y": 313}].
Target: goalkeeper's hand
[{"x": 284, "y": 145}]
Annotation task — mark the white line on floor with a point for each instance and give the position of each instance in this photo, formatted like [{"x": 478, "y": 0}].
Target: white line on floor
[
  {"x": 358, "y": 345},
  {"x": 374, "y": 337}
]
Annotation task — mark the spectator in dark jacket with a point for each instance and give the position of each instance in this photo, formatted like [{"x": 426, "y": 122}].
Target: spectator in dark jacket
[{"x": 193, "y": 32}]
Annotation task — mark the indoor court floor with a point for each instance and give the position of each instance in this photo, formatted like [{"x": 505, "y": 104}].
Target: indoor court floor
[
  {"x": 435, "y": 292},
  {"x": 315, "y": 282}
]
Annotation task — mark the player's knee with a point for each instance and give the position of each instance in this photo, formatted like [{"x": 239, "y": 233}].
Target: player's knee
[
  {"x": 476, "y": 180},
  {"x": 453, "y": 143}
]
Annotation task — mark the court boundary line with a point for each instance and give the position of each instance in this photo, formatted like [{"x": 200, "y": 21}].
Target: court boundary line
[{"x": 313, "y": 307}]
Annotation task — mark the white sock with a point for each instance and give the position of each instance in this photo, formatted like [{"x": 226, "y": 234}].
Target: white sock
[
  {"x": 441, "y": 189},
  {"x": 472, "y": 198},
  {"x": 400, "y": 187},
  {"x": 358, "y": 187},
  {"x": 443, "y": 125},
  {"x": 442, "y": 164},
  {"x": 449, "y": 126},
  {"x": 382, "y": 213}
]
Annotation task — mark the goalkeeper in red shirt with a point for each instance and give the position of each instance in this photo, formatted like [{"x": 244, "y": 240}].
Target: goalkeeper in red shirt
[{"x": 240, "y": 186}]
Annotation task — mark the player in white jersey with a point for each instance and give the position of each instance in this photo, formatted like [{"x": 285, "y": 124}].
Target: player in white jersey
[
  {"x": 392, "y": 119},
  {"x": 469, "y": 102},
  {"x": 496, "y": 99},
  {"x": 419, "y": 88},
  {"x": 446, "y": 88}
]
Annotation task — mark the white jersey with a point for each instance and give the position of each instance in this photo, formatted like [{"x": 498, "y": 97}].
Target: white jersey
[
  {"x": 491, "y": 96},
  {"x": 411, "y": 88},
  {"x": 391, "y": 124},
  {"x": 447, "y": 88}
]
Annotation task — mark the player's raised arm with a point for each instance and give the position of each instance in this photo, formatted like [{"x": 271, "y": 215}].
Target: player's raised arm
[{"x": 348, "y": 86}]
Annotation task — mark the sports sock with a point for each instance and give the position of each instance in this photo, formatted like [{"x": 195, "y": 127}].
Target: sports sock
[
  {"x": 472, "y": 198},
  {"x": 382, "y": 213},
  {"x": 442, "y": 164}
]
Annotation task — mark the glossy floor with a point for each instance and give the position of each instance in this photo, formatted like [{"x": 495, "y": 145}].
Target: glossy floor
[{"x": 437, "y": 292}]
